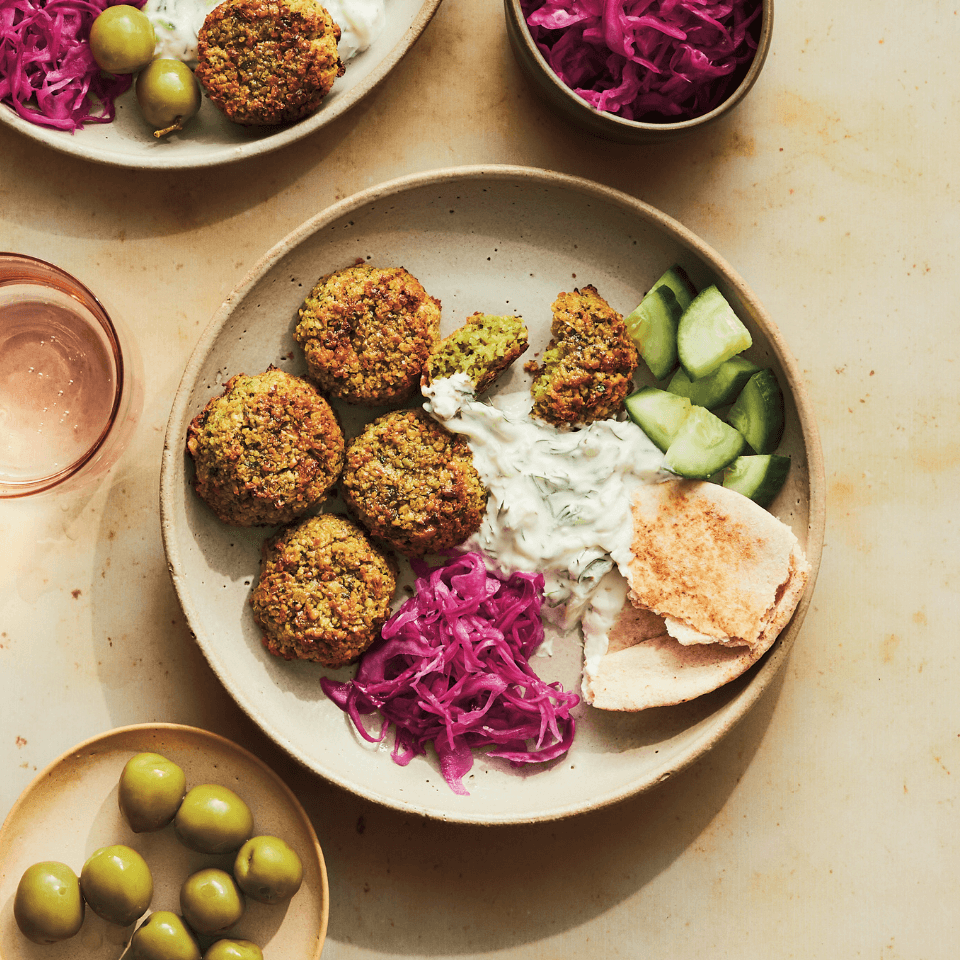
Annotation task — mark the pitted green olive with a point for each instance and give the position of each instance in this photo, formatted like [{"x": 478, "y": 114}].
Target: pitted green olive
[
  {"x": 268, "y": 869},
  {"x": 48, "y": 906},
  {"x": 150, "y": 792},
  {"x": 233, "y": 950},
  {"x": 213, "y": 819},
  {"x": 117, "y": 884},
  {"x": 211, "y": 901},
  {"x": 163, "y": 936},
  {"x": 122, "y": 39}
]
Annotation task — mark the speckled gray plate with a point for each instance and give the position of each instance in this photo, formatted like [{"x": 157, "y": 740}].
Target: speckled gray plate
[
  {"x": 211, "y": 139},
  {"x": 70, "y": 810},
  {"x": 493, "y": 239}
]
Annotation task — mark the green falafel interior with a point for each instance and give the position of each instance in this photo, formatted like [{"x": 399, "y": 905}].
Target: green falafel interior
[{"x": 482, "y": 348}]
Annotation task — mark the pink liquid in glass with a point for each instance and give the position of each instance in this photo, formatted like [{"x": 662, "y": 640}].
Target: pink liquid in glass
[{"x": 57, "y": 384}]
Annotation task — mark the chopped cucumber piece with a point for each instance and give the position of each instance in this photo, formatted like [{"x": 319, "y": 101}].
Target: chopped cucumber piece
[
  {"x": 703, "y": 446},
  {"x": 658, "y": 413},
  {"x": 653, "y": 328},
  {"x": 653, "y": 324},
  {"x": 718, "y": 388},
  {"x": 677, "y": 281},
  {"x": 758, "y": 412},
  {"x": 759, "y": 477},
  {"x": 709, "y": 333}
]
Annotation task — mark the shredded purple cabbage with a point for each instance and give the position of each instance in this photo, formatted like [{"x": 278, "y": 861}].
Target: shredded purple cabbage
[
  {"x": 452, "y": 670},
  {"x": 651, "y": 60},
  {"x": 47, "y": 72}
]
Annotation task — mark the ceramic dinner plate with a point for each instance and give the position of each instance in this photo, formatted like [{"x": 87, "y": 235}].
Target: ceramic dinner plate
[
  {"x": 498, "y": 240},
  {"x": 70, "y": 810},
  {"x": 211, "y": 139}
]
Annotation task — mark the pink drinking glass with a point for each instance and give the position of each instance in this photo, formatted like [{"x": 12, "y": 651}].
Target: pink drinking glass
[{"x": 70, "y": 381}]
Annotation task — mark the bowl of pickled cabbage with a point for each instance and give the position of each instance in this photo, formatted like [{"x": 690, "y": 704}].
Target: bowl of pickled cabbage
[{"x": 640, "y": 71}]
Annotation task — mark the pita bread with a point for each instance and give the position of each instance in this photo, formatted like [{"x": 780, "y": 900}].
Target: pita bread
[
  {"x": 713, "y": 579},
  {"x": 712, "y": 563}
]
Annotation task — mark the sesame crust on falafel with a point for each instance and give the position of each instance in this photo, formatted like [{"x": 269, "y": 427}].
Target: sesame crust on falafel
[
  {"x": 366, "y": 333},
  {"x": 265, "y": 450},
  {"x": 587, "y": 368},
  {"x": 324, "y": 591},
  {"x": 412, "y": 482},
  {"x": 266, "y": 62}
]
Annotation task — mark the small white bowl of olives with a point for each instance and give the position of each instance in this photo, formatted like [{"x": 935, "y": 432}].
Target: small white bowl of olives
[{"x": 190, "y": 871}]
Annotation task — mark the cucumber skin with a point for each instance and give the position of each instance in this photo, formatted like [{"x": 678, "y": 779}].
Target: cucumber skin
[
  {"x": 760, "y": 477},
  {"x": 676, "y": 280},
  {"x": 653, "y": 328},
  {"x": 717, "y": 389},
  {"x": 684, "y": 459},
  {"x": 709, "y": 318},
  {"x": 758, "y": 412},
  {"x": 653, "y": 323}
]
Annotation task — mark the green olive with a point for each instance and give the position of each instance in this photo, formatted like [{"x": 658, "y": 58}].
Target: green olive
[
  {"x": 211, "y": 901},
  {"x": 213, "y": 819},
  {"x": 48, "y": 906},
  {"x": 150, "y": 792},
  {"x": 117, "y": 884},
  {"x": 168, "y": 94},
  {"x": 268, "y": 869},
  {"x": 122, "y": 39},
  {"x": 163, "y": 936},
  {"x": 233, "y": 950}
]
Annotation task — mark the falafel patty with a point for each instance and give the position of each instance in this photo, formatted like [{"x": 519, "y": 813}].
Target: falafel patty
[
  {"x": 264, "y": 62},
  {"x": 367, "y": 332},
  {"x": 588, "y": 366},
  {"x": 482, "y": 348},
  {"x": 324, "y": 591},
  {"x": 266, "y": 450},
  {"x": 412, "y": 482}
]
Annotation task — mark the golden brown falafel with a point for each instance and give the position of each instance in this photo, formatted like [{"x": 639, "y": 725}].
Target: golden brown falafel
[
  {"x": 412, "y": 482},
  {"x": 266, "y": 450},
  {"x": 264, "y": 62},
  {"x": 366, "y": 333},
  {"x": 324, "y": 591},
  {"x": 482, "y": 348},
  {"x": 588, "y": 366}
]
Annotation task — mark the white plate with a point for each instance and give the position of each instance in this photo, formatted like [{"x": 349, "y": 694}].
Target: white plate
[
  {"x": 211, "y": 139},
  {"x": 494, "y": 239},
  {"x": 70, "y": 810}
]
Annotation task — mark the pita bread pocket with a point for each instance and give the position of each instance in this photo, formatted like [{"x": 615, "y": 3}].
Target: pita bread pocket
[{"x": 713, "y": 579}]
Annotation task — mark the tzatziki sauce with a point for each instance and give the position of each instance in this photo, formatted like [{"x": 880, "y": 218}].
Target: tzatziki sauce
[
  {"x": 559, "y": 499},
  {"x": 177, "y": 23}
]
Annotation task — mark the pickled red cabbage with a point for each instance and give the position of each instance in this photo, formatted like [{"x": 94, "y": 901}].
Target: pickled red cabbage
[
  {"x": 451, "y": 669},
  {"x": 650, "y": 60},
  {"x": 47, "y": 72}
]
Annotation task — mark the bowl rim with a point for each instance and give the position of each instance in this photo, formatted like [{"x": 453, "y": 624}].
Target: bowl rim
[
  {"x": 639, "y": 126},
  {"x": 767, "y": 668}
]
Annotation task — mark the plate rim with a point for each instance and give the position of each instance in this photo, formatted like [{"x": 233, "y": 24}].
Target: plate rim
[
  {"x": 63, "y": 142},
  {"x": 224, "y": 743},
  {"x": 761, "y": 674}
]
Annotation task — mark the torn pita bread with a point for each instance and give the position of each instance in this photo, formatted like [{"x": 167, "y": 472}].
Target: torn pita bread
[{"x": 713, "y": 579}]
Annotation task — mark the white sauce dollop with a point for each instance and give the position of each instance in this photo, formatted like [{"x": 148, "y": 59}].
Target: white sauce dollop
[
  {"x": 559, "y": 499},
  {"x": 360, "y": 22},
  {"x": 177, "y": 23}
]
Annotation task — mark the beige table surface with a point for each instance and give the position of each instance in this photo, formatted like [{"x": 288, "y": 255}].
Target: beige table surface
[{"x": 826, "y": 825}]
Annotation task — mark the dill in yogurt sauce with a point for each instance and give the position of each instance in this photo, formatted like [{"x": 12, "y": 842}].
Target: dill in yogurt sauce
[{"x": 559, "y": 500}]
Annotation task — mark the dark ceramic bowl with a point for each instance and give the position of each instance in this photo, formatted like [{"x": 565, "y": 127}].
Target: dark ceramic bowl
[{"x": 572, "y": 108}]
